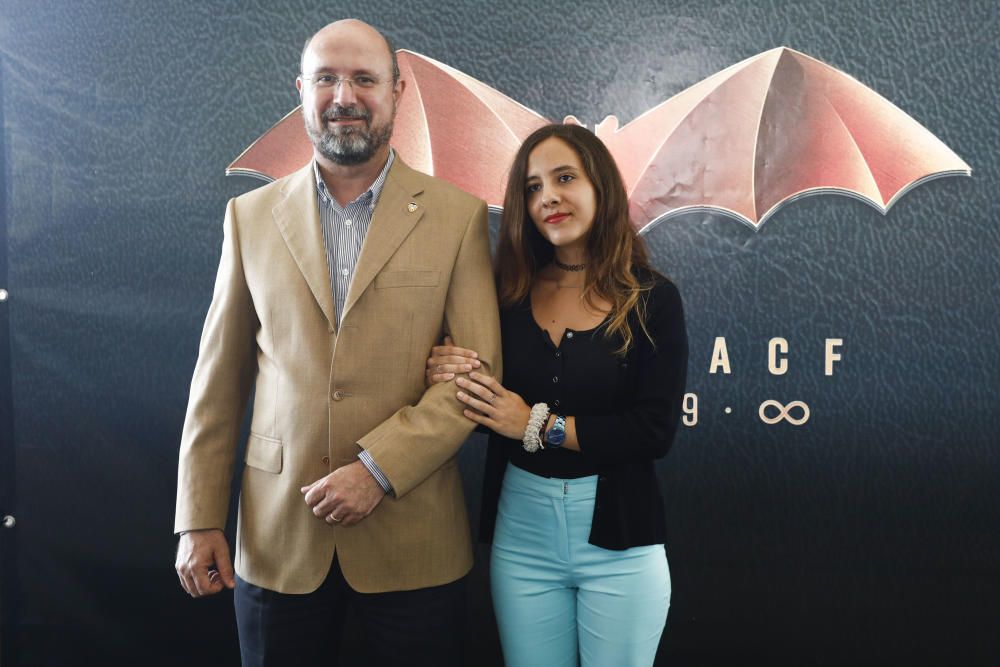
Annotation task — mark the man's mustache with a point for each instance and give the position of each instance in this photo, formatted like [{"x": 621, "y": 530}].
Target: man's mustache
[{"x": 338, "y": 111}]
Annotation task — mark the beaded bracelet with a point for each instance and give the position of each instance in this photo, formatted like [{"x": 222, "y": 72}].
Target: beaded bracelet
[{"x": 532, "y": 441}]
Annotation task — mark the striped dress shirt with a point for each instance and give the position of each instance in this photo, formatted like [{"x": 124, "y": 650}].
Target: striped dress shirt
[{"x": 344, "y": 230}]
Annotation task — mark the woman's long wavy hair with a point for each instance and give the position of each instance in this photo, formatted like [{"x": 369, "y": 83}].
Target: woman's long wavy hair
[{"x": 615, "y": 253}]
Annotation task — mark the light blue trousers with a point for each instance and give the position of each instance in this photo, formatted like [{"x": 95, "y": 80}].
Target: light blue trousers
[{"x": 560, "y": 600}]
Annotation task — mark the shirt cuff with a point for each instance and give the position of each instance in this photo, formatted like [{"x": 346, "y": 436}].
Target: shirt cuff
[{"x": 376, "y": 472}]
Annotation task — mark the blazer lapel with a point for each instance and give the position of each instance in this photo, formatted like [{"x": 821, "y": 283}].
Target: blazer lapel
[
  {"x": 396, "y": 214},
  {"x": 297, "y": 217}
]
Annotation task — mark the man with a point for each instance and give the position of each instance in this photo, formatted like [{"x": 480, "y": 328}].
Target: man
[{"x": 351, "y": 497}]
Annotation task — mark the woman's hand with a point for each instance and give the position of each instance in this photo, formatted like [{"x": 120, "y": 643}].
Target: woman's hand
[
  {"x": 496, "y": 408},
  {"x": 446, "y": 360}
]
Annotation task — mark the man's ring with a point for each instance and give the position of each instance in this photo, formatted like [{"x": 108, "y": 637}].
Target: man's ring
[{"x": 332, "y": 518}]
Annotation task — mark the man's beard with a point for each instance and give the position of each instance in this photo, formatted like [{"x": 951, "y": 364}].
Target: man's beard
[{"x": 348, "y": 145}]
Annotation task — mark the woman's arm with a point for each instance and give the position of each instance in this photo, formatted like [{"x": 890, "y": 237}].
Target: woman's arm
[{"x": 643, "y": 431}]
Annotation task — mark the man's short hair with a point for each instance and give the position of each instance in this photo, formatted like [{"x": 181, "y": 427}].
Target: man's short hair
[{"x": 388, "y": 44}]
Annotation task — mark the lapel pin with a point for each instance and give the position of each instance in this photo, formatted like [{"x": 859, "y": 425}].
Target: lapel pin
[{"x": 411, "y": 207}]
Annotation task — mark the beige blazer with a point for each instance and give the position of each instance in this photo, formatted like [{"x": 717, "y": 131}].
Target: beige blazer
[{"x": 322, "y": 394}]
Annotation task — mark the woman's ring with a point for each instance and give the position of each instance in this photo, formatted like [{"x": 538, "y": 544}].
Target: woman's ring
[{"x": 332, "y": 518}]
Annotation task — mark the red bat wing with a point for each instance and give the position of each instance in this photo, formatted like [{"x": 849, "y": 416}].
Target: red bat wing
[
  {"x": 459, "y": 129},
  {"x": 766, "y": 131},
  {"x": 447, "y": 124},
  {"x": 276, "y": 153}
]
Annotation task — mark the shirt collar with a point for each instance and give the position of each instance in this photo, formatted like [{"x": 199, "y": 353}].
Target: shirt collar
[{"x": 370, "y": 195}]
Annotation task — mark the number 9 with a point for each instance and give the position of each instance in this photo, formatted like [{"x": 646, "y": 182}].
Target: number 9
[{"x": 690, "y": 417}]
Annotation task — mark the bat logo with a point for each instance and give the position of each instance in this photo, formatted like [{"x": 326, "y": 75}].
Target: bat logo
[{"x": 761, "y": 133}]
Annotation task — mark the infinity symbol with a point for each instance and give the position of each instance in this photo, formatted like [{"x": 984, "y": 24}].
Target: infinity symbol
[{"x": 784, "y": 412}]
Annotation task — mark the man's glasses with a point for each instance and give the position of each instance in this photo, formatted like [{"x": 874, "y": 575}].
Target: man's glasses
[{"x": 362, "y": 81}]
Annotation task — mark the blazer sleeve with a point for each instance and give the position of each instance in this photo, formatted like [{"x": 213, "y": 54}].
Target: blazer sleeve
[
  {"x": 645, "y": 428},
  {"x": 220, "y": 390},
  {"x": 417, "y": 440}
]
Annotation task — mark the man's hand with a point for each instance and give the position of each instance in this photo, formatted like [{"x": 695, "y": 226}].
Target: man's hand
[
  {"x": 345, "y": 496},
  {"x": 203, "y": 564}
]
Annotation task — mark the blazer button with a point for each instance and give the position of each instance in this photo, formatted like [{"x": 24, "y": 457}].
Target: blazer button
[
  {"x": 338, "y": 395},
  {"x": 326, "y": 460}
]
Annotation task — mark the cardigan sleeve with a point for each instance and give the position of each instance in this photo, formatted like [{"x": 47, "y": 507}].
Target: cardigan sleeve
[{"x": 644, "y": 428}]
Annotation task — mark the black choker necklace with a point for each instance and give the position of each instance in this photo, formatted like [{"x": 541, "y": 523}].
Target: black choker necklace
[{"x": 569, "y": 267}]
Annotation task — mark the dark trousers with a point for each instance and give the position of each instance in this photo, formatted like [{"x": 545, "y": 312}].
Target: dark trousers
[{"x": 421, "y": 627}]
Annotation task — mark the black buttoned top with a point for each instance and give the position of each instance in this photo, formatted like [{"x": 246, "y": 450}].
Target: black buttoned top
[{"x": 626, "y": 411}]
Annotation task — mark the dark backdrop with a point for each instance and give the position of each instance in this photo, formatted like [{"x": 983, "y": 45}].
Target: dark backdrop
[{"x": 868, "y": 535}]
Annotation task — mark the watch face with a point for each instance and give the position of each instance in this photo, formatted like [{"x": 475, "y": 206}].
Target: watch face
[{"x": 557, "y": 434}]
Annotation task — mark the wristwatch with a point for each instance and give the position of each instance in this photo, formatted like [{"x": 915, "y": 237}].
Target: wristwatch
[{"x": 556, "y": 436}]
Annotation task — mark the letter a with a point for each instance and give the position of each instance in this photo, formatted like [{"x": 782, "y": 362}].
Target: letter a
[{"x": 720, "y": 357}]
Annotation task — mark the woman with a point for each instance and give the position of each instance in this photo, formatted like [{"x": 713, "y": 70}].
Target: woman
[{"x": 595, "y": 354}]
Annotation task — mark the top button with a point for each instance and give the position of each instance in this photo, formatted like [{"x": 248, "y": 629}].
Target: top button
[
  {"x": 344, "y": 272},
  {"x": 558, "y": 354},
  {"x": 569, "y": 334},
  {"x": 348, "y": 222}
]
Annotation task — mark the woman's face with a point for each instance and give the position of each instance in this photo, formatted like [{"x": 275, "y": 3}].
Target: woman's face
[{"x": 560, "y": 198}]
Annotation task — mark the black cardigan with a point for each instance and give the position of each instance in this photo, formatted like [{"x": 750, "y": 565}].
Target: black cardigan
[{"x": 626, "y": 410}]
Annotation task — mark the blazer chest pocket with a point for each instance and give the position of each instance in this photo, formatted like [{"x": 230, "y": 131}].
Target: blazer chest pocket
[
  {"x": 406, "y": 279},
  {"x": 264, "y": 453}
]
